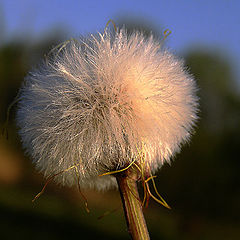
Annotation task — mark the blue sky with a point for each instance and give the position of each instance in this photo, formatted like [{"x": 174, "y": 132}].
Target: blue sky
[{"x": 213, "y": 24}]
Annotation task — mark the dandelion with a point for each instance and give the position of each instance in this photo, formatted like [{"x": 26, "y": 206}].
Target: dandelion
[{"x": 100, "y": 104}]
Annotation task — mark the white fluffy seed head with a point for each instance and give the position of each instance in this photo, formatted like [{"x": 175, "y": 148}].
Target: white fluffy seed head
[{"x": 99, "y": 102}]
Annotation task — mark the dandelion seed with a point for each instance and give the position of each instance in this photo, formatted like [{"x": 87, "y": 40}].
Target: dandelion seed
[
  {"x": 106, "y": 111},
  {"x": 96, "y": 101}
]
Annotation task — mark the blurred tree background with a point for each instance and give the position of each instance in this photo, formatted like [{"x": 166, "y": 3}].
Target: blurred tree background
[{"x": 201, "y": 185}]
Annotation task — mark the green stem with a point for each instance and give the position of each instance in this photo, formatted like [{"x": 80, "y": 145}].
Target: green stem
[{"x": 132, "y": 205}]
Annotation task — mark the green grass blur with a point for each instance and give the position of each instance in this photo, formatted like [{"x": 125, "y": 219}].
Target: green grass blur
[{"x": 201, "y": 185}]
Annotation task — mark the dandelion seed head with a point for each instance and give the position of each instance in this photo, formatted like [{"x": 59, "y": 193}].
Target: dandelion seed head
[{"x": 98, "y": 100}]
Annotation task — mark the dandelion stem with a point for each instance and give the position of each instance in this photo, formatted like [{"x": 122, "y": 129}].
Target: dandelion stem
[{"x": 132, "y": 206}]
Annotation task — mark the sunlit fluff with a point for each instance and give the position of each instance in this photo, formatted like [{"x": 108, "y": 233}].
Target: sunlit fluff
[{"x": 98, "y": 101}]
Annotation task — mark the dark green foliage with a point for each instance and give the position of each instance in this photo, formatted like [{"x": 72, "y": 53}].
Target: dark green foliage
[{"x": 202, "y": 185}]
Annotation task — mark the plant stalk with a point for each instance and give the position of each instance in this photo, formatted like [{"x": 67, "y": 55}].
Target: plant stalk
[{"x": 132, "y": 205}]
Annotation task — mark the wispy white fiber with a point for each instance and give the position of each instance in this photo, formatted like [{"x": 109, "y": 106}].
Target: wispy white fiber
[{"x": 98, "y": 101}]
